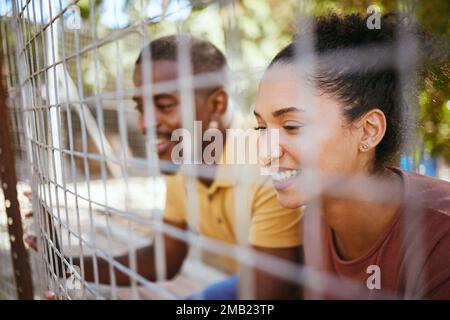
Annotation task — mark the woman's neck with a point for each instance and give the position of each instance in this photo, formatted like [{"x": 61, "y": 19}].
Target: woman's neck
[{"x": 358, "y": 223}]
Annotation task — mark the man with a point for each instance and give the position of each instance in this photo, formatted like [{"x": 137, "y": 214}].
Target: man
[{"x": 273, "y": 229}]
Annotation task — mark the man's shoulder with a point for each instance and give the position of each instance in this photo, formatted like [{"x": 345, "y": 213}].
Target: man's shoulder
[
  {"x": 428, "y": 212},
  {"x": 173, "y": 177},
  {"x": 174, "y": 184}
]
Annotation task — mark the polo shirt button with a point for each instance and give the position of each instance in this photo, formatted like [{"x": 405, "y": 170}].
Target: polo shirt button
[
  {"x": 219, "y": 220},
  {"x": 210, "y": 197}
]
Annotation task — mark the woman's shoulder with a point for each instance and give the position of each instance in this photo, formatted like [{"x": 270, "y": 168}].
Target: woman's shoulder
[{"x": 429, "y": 193}]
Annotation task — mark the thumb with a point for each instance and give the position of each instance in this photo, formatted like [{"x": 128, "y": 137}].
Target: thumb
[
  {"x": 31, "y": 241},
  {"x": 49, "y": 295}
]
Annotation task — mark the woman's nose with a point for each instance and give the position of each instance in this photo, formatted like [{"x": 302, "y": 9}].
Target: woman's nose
[
  {"x": 269, "y": 148},
  {"x": 271, "y": 156}
]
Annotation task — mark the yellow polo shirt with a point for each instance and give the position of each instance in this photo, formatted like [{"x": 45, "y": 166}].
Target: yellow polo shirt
[
  {"x": 270, "y": 225},
  {"x": 239, "y": 207}
]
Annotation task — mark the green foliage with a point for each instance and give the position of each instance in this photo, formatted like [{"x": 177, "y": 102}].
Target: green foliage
[{"x": 251, "y": 32}]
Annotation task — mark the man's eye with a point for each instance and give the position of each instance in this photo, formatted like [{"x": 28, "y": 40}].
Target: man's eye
[{"x": 166, "y": 107}]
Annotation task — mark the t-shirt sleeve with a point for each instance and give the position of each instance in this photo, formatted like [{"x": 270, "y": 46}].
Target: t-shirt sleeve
[
  {"x": 435, "y": 284},
  {"x": 441, "y": 292},
  {"x": 273, "y": 226},
  {"x": 175, "y": 209}
]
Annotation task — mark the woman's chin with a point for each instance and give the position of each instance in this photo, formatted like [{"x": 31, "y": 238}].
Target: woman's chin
[{"x": 290, "y": 200}]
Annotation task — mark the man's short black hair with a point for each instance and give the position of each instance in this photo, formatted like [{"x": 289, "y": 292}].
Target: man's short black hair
[
  {"x": 205, "y": 56},
  {"x": 342, "y": 45}
]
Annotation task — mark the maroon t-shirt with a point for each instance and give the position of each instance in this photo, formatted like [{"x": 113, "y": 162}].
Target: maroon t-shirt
[{"x": 410, "y": 260}]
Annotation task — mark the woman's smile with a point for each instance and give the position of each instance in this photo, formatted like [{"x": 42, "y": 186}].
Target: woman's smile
[{"x": 284, "y": 178}]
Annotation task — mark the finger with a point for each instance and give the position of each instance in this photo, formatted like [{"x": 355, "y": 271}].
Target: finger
[
  {"x": 31, "y": 242},
  {"x": 49, "y": 295},
  {"x": 28, "y": 195}
]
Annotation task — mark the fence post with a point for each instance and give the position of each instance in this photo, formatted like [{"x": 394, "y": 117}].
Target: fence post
[{"x": 19, "y": 255}]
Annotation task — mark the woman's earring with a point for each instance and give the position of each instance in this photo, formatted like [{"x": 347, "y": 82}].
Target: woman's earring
[
  {"x": 365, "y": 146},
  {"x": 213, "y": 124}
]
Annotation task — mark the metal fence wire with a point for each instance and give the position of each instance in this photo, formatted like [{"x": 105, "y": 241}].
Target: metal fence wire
[{"x": 90, "y": 188}]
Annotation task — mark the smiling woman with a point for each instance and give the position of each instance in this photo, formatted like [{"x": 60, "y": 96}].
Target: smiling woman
[
  {"x": 349, "y": 132},
  {"x": 122, "y": 209}
]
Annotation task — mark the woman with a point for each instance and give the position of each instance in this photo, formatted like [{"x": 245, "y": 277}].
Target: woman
[{"x": 340, "y": 124}]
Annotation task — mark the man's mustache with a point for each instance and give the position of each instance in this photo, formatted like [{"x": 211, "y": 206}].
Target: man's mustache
[
  {"x": 164, "y": 134},
  {"x": 160, "y": 134}
]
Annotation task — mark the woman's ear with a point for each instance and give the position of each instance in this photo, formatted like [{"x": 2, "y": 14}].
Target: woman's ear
[{"x": 373, "y": 126}]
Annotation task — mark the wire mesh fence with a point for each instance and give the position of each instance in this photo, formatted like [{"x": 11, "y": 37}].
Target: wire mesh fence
[{"x": 114, "y": 219}]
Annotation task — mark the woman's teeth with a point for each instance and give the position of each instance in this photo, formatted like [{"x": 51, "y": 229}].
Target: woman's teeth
[{"x": 284, "y": 175}]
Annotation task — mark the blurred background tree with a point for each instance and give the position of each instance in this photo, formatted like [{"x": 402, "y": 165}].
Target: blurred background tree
[{"x": 251, "y": 32}]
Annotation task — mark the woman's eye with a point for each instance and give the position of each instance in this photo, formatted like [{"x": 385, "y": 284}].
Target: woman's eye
[
  {"x": 292, "y": 128},
  {"x": 260, "y": 128}
]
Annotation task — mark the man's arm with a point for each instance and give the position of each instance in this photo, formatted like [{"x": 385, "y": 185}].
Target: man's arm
[
  {"x": 175, "y": 253},
  {"x": 268, "y": 286}
]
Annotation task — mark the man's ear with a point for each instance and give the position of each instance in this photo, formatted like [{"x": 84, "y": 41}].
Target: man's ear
[
  {"x": 373, "y": 128},
  {"x": 218, "y": 101}
]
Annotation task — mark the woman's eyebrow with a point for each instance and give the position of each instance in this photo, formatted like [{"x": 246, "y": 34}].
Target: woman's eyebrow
[{"x": 282, "y": 111}]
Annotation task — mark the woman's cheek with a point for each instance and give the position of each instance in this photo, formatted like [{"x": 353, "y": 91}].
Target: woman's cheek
[
  {"x": 337, "y": 155},
  {"x": 309, "y": 145},
  {"x": 292, "y": 145}
]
